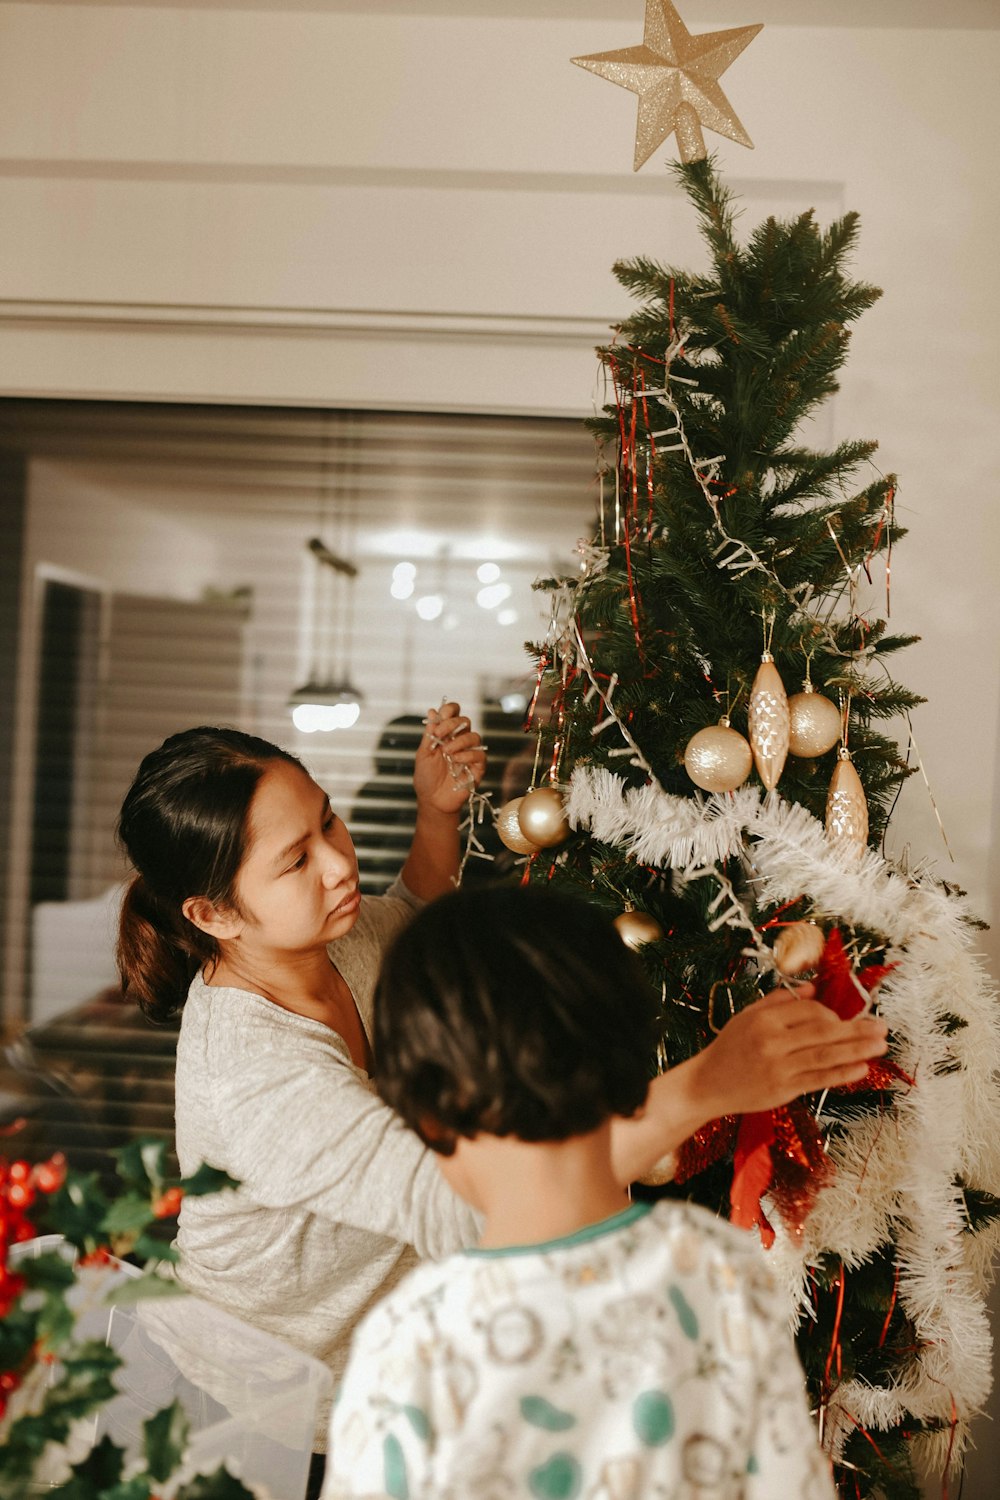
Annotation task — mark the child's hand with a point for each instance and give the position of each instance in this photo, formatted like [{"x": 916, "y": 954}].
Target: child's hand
[
  {"x": 783, "y": 1045},
  {"x": 450, "y": 761}
]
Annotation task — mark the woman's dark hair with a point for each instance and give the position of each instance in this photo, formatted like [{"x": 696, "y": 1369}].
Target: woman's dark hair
[
  {"x": 184, "y": 826},
  {"x": 515, "y": 1011}
]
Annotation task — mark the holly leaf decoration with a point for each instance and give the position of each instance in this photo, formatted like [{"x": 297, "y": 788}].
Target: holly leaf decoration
[
  {"x": 147, "y": 1248},
  {"x": 97, "y": 1473},
  {"x": 76, "y": 1211},
  {"x": 141, "y": 1288},
  {"x": 55, "y": 1321},
  {"x": 85, "y": 1383},
  {"x": 207, "y": 1180},
  {"x": 142, "y": 1165},
  {"x": 218, "y": 1486},
  {"x": 130, "y": 1213},
  {"x": 137, "y": 1488},
  {"x": 47, "y": 1273},
  {"x": 165, "y": 1436}
]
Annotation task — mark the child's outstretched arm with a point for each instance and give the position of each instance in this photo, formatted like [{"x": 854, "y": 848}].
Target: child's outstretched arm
[{"x": 781, "y": 1046}]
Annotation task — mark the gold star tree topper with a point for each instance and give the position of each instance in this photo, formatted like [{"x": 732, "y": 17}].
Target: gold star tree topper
[{"x": 676, "y": 77}]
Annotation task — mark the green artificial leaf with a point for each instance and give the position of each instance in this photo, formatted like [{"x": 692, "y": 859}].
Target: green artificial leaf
[
  {"x": 127, "y": 1214},
  {"x": 83, "y": 1384},
  {"x": 76, "y": 1210},
  {"x": 18, "y": 1333},
  {"x": 147, "y": 1248},
  {"x": 142, "y": 1165},
  {"x": 218, "y": 1486},
  {"x": 137, "y": 1488},
  {"x": 55, "y": 1321},
  {"x": 47, "y": 1272},
  {"x": 165, "y": 1435},
  {"x": 141, "y": 1288},
  {"x": 207, "y": 1180},
  {"x": 101, "y": 1468}
]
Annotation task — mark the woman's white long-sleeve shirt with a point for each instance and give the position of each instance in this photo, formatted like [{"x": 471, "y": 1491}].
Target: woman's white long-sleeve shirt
[{"x": 338, "y": 1199}]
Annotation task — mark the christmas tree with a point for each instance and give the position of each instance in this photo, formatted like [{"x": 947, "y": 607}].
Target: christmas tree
[{"x": 737, "y": 832}]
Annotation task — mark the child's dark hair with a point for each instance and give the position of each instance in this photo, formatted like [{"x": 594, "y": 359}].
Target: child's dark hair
[
  {"x": 184, "y": 826},
  {"x": 514, "y": 1011}
]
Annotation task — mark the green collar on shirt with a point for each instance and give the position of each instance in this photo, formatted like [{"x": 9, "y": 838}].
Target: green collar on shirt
[{"x": 578, "y": 1237}]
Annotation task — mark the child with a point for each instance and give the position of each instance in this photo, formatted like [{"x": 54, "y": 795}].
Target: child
[{"x": 588, "y": 1347}]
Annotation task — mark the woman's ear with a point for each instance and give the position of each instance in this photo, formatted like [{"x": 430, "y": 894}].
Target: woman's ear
[{"x": 207, "y": 917}]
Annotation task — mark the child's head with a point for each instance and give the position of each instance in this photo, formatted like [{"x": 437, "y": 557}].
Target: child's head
[
  {"x": 511, "y": 1011},
  {"x": 184, "y": 825}
]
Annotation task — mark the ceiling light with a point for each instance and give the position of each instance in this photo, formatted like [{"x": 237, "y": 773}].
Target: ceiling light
[
  {"x": 429, "y": 606},
  {"x": 492, "y": 595}
]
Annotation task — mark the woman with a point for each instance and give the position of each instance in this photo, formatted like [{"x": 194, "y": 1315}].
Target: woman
[{"x": 246, "y": 902}]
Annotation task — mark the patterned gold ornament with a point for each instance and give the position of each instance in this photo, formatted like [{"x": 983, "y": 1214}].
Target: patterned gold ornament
[
  {"x": 509, "y": 828},
  {"x": 798, "y": 947},
  {"x": 768, "y": 722},
  {"x": 813, "y": 723},
  {"x": 846, "y": 807},
  {"x": 676, "y": 78},
  {"x": 542, "y": 817},
  {"x": 717, "y": 758},
  {"x": 637, "y": 928}
]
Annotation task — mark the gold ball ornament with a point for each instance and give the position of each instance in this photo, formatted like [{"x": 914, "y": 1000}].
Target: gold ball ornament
[
  {"x": 637, "y": 928},
  {"x": 767, "y": 719},
  {"x": 661, "y": 1171},
  {"x": 717, "y": 758},
  {"x": 509, "y": 828},
  {"x": 542, "y": 817},
  {"x": 846, "y": 806},
  {"x": 813, "y": 724},
  {"x": 798, "y": 947}
]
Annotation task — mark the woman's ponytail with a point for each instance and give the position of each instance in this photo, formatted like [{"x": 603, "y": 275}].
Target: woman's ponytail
[{"x": 156, "y": 966}]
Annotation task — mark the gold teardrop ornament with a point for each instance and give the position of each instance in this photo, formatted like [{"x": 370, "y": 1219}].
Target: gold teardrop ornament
[
  {"x": 768, "y": 720},
  {"x": 846, "y": 806}
]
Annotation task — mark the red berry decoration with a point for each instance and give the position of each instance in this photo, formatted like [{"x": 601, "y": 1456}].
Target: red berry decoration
[
  {"x": 168, "y": 1204},
  {"x": 50, "y": 1175}
]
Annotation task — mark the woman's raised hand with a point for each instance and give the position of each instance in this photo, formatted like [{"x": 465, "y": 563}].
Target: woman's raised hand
[{"x": 450, "y": 761}]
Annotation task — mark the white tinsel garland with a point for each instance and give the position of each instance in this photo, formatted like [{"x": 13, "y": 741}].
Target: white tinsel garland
[{"x": 896, "y": 1174}]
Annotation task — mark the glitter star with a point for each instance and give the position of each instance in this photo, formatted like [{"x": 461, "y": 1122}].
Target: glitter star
[{"x": 676, "y": 77}]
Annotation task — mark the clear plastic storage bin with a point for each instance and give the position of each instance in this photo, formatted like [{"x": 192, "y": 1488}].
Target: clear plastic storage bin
[{"x": 251, "y": 1399}]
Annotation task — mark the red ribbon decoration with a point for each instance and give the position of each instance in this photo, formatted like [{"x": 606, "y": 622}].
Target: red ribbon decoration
[{"x": 780, "y": 1151}]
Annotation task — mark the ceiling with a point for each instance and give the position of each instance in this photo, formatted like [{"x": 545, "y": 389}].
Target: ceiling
[{"x": 699, "y": 15}]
